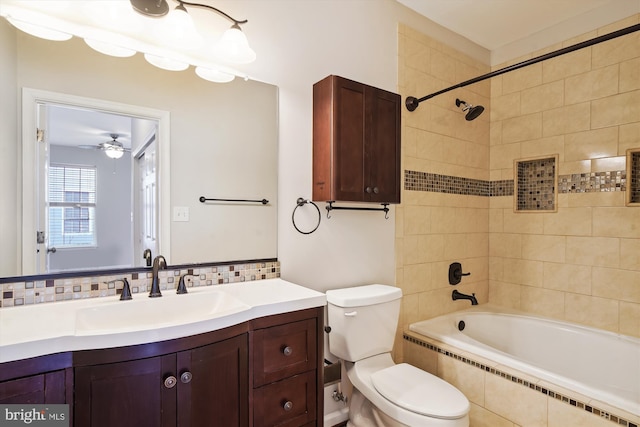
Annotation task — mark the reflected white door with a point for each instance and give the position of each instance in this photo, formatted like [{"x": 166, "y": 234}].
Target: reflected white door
[
  {"x": 146, "y": 192},
  {"x": 42, "y": 171}
]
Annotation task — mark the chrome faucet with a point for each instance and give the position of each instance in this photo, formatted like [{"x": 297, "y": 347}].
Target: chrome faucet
[
  {"x": 159, "y": 263},
  {"x": 459, "y": 295}
]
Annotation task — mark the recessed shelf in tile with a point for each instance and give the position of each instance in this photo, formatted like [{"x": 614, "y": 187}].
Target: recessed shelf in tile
[
  {"x": 536, "y": 185},
  {"x": 633, "y": 177}
]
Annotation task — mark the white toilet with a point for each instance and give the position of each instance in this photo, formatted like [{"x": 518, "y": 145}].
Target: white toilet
[{"x": 363, "y": 323}]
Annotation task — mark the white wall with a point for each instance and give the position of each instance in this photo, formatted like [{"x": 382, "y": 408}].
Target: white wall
[
  {"x": 298, "y": 43},
  {"x": 9, "y": 260}
]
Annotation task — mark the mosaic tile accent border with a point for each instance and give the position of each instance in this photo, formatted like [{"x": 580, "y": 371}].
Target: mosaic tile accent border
[
  {"x": 573, "y": 183},
  {"x": 634, "y": 176},
  {"x": 593, "y": 182},
  {"x": 433, "y": 182},
  {"x": 544, "y": 390},
  {"x": 536, "y": 184},
  {"x": 64, "y": 289}
]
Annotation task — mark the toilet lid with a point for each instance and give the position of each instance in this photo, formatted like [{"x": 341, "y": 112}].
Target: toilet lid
[{"x": 418, "y": 391}]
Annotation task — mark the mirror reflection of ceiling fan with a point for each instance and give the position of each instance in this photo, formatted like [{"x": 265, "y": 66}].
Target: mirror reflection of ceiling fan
[{"x": 113, "y": 149}]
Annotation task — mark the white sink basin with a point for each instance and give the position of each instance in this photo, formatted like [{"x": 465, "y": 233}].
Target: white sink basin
[{"x": 143, "y": 313}]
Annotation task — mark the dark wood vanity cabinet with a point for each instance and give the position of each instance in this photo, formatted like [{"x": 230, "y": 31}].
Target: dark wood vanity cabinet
[
  {"x": 287, "y": 370},
  {"x": 39, "y": 380},
  {"x": 356, "y": 142},
  {"x": 264, "y": 372},
  {"x": 35, "y": 389},
  {"x": 201, "y": 386}
]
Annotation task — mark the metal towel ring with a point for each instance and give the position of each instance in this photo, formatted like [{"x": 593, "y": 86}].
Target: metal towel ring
[{"x": 302, "y": 202}]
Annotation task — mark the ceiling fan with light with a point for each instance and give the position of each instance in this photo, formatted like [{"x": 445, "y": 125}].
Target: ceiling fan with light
[{"x": 113, "y": 149}]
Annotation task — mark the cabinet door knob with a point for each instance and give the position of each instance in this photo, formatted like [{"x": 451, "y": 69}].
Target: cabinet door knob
[
  {"x": 287, "y": 351},
  {"x": 288, "y": 405},
  {"x": 170, "y": 381},
  {"x": 186, "y": 377},
  {"x": 375, "y": 190},
  {"x": 368, "y": 190}
]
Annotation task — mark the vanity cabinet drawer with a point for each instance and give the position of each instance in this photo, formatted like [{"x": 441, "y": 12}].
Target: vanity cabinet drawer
[
  {"x": 287, "y": 403},
  {"x": 284, "y": 350}
]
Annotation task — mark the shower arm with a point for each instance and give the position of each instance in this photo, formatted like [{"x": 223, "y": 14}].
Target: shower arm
[{"x": 413, "y": 102}]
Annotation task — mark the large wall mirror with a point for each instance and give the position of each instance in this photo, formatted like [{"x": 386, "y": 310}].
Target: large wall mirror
[{"x": 217, "y": 140}]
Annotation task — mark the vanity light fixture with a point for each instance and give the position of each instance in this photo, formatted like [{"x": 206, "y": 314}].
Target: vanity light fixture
[
  {"x": 109, "y": 49},
  {"x": 233, "y": 45},
  {"x": 38, "y": 30},
  {"x": 162, "y": 30}
]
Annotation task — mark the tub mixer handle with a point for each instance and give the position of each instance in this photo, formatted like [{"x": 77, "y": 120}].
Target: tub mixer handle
[{"x": 455, "y": 273}]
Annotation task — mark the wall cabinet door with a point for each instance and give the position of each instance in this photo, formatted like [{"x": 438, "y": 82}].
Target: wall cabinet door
[
  {"x": 356, "y": 142},
  {"x": 201, "y": 387}
]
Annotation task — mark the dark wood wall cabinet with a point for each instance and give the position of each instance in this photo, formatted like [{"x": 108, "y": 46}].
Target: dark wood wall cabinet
[
  {"x": 265, "y": 372},
  {"x": 356, "y": 142}
]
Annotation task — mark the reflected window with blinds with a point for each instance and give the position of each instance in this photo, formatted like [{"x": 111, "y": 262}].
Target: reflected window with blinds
[{"x": 72, "y": 206}]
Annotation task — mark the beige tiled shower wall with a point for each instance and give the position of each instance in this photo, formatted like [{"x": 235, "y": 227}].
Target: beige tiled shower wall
[
  {"x": 581, "y": 263},
  {"x": 435, "y": 229}
]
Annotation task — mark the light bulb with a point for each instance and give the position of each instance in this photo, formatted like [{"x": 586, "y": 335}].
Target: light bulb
[
  {"x": 38, "y": 30},
  {"x": 166, "y": 63},
  {"x": 234, "y": 47},
  {"x": 179, "y": 31},
  {"x": 114, "y": 152},
  {"x": 110, "y": 49},
  {"x": 214, "y": 75}
]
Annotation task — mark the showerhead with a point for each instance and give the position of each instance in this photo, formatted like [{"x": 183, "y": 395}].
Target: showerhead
[{"x": 472, "y": 112}]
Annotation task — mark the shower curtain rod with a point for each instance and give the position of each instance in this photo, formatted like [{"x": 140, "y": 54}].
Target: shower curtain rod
[{"x": 412, "y": 102}]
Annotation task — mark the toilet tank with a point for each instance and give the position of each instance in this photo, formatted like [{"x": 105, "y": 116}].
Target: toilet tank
[{"x": 363, "y": 320}]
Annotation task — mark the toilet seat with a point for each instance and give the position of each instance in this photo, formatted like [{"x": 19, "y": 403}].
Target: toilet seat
[{"x": 420, "y": 392}]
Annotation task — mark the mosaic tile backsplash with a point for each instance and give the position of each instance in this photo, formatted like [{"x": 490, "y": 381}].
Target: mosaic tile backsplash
[{"x": 63, "y": 289}]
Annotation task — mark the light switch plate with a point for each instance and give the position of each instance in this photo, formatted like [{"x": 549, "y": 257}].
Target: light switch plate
[{"x": 180, "y": 214}]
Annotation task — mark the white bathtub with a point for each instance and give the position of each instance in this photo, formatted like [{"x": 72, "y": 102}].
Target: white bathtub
[{"x": 598, "y": 364}]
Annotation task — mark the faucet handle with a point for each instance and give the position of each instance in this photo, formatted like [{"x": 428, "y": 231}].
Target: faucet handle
[
  {"x": 182, "y": 286},
  {"x": 126, "y": 290},
  {"x": 455, "y": 273}
]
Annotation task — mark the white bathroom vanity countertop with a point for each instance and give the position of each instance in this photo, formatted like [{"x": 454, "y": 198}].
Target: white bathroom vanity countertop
[{"x": 93, "y": 323}]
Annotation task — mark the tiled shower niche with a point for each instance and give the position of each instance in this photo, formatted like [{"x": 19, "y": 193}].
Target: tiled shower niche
[
  {"x": 633, "y": 176},
  {"x": 536, "y": 185}
]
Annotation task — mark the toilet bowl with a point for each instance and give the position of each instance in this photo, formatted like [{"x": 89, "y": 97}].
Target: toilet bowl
[{"x": 363, "y": 323}]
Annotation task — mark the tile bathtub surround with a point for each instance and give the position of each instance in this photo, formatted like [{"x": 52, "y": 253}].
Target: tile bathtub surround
[
  {"x": 524, "y": 381},
  {"x": 64, "y": 289}
]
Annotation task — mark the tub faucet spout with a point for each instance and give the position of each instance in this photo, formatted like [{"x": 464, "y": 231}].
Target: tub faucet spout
[
  {"x": 159, "y": 263},
  {"x": 459, "y": 295}
]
